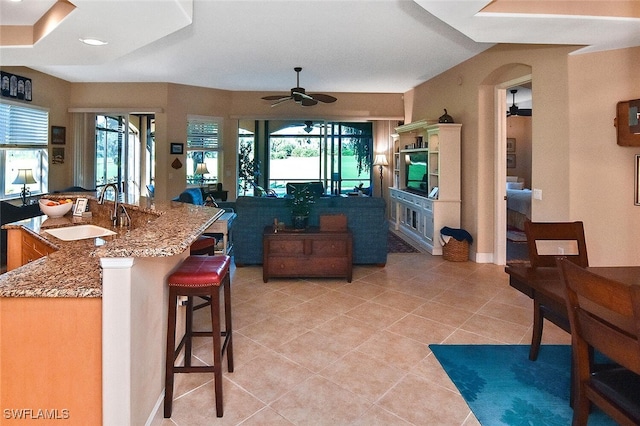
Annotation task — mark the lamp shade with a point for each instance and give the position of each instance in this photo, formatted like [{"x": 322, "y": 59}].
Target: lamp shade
[
  {"x": 25, "y": 177},
  {"x": 201, "y": 169},
  {"x": 380, "y": 160}
]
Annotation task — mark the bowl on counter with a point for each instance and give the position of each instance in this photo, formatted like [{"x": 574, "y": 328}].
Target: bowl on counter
[{"x": 55, "y": 208}]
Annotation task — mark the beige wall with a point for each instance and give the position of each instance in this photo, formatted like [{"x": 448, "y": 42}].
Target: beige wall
[
  {"x": 601, "y": 172},
  {"x": 573, "y": 140}
]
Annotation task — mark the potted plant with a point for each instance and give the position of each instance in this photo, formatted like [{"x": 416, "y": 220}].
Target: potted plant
[
  {"x": 249, "y": 170},
  {"x": 300, "y": 203}
]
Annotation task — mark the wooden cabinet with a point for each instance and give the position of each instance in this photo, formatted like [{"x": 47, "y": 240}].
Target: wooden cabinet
[
  {"x": 421, "y": 214},
  {"x": 307, "y": 253},
  {"x": 23, "y": 247}
]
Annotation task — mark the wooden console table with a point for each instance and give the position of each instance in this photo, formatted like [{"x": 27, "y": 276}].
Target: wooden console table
[{"x": 306, "y": 253}]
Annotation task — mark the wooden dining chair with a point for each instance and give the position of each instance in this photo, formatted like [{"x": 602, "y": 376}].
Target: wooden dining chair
[
  {"x": 605, "y": 316},
  {"x": 545, "y": 241}
]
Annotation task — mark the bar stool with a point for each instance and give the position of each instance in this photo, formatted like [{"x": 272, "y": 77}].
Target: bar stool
[
  {"x": 203, "y": 245},
  {"x": 199, "y": 276}
]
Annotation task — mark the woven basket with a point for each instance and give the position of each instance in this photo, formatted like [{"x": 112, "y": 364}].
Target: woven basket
[{"x": 454, "y": 250}]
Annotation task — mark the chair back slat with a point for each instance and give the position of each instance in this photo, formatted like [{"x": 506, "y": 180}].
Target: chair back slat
[{"x": 562, "y": 237}]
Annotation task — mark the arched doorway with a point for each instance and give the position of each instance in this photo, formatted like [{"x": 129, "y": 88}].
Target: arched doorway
[{"x": 493, "y": 100}]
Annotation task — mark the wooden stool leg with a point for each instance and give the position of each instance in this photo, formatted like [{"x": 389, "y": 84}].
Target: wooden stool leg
[
  {"x": 171, "y": 345},
  {"x": 188, "y": 332},
  {"x": 217, "y": 348},
  {"x": 227, "y": 322}
]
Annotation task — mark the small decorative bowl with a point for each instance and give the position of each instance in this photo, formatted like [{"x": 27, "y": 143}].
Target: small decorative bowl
[{"x": 59, "y": 209}]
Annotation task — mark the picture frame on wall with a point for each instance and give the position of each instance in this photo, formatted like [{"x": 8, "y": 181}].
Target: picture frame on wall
[
  {"x": 511, "y": 161},
  {"x": 15, "y": 86},
  {"x": 58, "y": 135},
  {"x": 511, "y": 144},
  {"x": 177, "y": 148},
  {"x": 57, "y": 156}
]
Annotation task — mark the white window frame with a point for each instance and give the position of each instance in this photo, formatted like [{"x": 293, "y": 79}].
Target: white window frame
[
  {"x": 22, "y": 132},
  {"x": 197, "y": 143}
]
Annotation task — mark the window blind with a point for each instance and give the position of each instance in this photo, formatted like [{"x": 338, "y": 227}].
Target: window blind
[
  {"x": 202, "y": 134},
  {"x": 23, "y": 126}
]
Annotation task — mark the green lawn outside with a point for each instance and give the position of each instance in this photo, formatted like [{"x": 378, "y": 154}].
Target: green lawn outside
[{"x": 307, "y": 168}]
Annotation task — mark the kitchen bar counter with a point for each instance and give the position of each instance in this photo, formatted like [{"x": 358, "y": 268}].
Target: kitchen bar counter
[
  {"x": 74, "y": 269},
  {"x": 83, "y": 329}
]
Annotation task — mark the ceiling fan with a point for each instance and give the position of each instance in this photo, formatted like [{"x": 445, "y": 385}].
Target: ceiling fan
[
  {"x": 514, "y": 110},
  {"x": 299, "y": 96}
]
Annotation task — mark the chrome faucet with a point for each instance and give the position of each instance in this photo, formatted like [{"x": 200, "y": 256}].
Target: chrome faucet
[{"x": 114, "y": 216}]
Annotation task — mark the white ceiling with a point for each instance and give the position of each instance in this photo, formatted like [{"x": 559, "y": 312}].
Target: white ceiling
[{"x": 383, "y": 46}]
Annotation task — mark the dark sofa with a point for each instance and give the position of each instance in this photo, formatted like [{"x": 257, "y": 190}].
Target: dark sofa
[{"x": 365, "y": 218}]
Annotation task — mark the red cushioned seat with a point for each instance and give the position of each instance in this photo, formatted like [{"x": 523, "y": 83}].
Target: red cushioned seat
[
  {"x": 203, "y": 245},
  {"x": 199, "y": 271}
]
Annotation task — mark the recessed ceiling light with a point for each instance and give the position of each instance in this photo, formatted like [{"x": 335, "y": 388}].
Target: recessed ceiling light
[{"x": 93, "y": 41}]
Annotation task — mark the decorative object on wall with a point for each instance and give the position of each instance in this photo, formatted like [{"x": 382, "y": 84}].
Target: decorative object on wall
[
  {"x": 624, "y": 122},
  {"x": 511, "y": 144},
  {"x": 445, "y": 118},
  {"x": 380, "y": 161},
  {"x": 58, "y": 135},
  {"x": 17, "y": 87},
  {"x": 299, "y": 96},
  {"x": 177, "y": 148},
  {"x": 634, "y": 116},
  {"x": 58, "y": 156},
  {"x": 637, "y": 185},
  {"x": 511, "y": 161},
  {"x": 24, "y": 178},
  {"x": 176, "y": 164}
]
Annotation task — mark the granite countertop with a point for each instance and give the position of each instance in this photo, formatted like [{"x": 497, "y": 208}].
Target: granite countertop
[{"x": 159, "y": 230}]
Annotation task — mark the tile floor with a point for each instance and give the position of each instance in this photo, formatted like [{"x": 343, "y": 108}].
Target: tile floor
[{"x": 328, "y": 352}]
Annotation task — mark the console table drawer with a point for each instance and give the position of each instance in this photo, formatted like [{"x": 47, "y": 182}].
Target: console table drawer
[
  {"x": 281, "y": 246},
  {"x": 308, "y": 267},
  {"x": 329, "y": 247}
]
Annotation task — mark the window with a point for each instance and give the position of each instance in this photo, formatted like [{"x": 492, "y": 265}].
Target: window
[
  {"x": 118, "y": 154},
  {"x": 247, "y": 160},
  {"x": 203, "y": 146},
  {"x": 337, "y": 154},
  {"x": 24, "y": 135}
]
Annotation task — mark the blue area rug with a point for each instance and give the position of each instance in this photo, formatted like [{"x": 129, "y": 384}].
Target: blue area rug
[{"x": 502, "y": 387}]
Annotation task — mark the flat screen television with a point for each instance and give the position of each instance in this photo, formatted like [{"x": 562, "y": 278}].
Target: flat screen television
[{"x": 416, "y": 172}]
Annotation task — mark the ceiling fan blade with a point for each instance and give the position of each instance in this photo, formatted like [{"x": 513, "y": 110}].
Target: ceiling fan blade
[
  {"x": 308, "y": 102},
  {"x": 327, "y": 99},
  {"x": 275, "y": 97},
  {"x": 524, "y": 112},
  {"x": 281, "y": 101},
  {"x": 300, "y": 94}
]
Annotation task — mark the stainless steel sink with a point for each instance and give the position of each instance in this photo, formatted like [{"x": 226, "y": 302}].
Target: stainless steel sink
[{"x": 80, "y": 232}]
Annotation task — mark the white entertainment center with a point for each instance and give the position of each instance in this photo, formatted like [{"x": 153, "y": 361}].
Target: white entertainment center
[{"x": 422, "y": 205}]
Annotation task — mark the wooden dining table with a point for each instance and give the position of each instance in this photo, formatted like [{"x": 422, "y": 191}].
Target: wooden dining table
[{"x": 545, "y": 286}]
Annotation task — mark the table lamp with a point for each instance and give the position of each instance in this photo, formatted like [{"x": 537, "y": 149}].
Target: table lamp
[
  {"x": 201, "y": 169},
  {"x": 25, "y": 177},
  {"x": 380, "y": 161}
]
